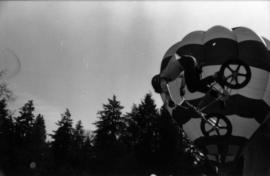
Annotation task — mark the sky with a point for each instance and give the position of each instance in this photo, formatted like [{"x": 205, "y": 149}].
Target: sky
[{"x": 77, "y": 54}]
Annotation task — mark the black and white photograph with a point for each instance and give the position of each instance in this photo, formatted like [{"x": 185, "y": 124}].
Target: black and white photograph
[{"x": 135, "y": 88}]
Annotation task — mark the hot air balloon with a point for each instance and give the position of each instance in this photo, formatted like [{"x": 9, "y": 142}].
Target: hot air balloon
[{"x": 217, "y": 49}]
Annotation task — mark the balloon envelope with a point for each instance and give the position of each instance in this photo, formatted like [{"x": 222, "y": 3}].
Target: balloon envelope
[{"x": 247, "y": 107}]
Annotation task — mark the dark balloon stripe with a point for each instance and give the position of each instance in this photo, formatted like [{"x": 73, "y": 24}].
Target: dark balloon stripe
[
  {"x": 225, "y": 140},
  {"x": 213, "y": 52},
  {"x": 222, "y": 143},
  {"x": 219, "y": 50},
  {"x": 255, "y": 54},
  {"x": 237, "y": 104},
  {"x": 183, "y": 115}
]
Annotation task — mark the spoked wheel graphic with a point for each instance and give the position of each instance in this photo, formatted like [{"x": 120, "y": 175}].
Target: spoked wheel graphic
[
  {"x": 216, "y": 124},
  {"x": 236, "y": 73}
]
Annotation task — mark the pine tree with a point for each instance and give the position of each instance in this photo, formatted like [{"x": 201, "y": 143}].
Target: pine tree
[
  {"x": 143, "y": 131},
  {"x": 133, "y": 130},
  {"x": 5, "y": 121},
  {"x": 147, "y": 120},
  {"x": 63, "y": 140},
  {"x": 170, "y": 153},
  {"x": 39, "y": 146},
  {"x": 24, "y": 124},
  {"x": 7, "y": 126},
  {"x": 23, "y": 137},
  {"x": 77, "y": 146},
  {"x": 25, "y": 121},
  {"x": 39, "y": 131},
  {"x": 6, "y": 137},
  {"x": 110, "y": 124},
  {"x": 78, "y": 135},
  {"x": 109, "y": 134},
  {"x": 87, "y": 152}
]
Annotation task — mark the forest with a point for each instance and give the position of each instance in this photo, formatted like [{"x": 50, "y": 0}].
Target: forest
[{"x": 144, "y": 141}]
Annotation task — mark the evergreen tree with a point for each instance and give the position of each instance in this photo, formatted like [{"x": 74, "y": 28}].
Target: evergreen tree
[
  {"x": 147, "y": 121},
  {"x": 109, "y": 134},
  {"x": 23, "y": 137},
  {"x": 77, "y": 144},
  {"x": 143, "y": 131},
  {"x": 5, "y": 121},
  {"x": 170, "y": 154},
  {"x": 87, "y": 153},
  {"x": 39, "y": 131},
  {"x": 24, "y": 122},
  {"x": 6, "y": 129},
  {"x": 133, "y": 130},
  {"x": 79, "y": 135},
  {"x": 62, "y": 141},
  {"x": 39, "y": 147},
  {"x": 6, "y": 137}
]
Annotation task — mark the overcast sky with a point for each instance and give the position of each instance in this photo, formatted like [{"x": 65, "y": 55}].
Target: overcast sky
[{"x": 76, "y": 55}]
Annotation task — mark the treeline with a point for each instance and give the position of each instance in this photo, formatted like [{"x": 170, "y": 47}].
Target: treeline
[{"x": 140, "y": 142}]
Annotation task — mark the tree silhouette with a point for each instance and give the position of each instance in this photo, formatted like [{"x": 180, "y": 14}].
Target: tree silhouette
[
  {"x": 78, "y": 159},
  {"x": 170, "y": 154},
  {"x": 133, "y": 131},
  {"x": 6, "y": 137},
  {"x": 87, "y": 154},
  {"x": 108, "y": 139},
  {"x": 143, "y": 141},
  {"x": 79, "y": 135},
  {"x": 71, "y": 148},
  {"x": 143, "y": 132},
  {"x": 39, "y": 146},
  {"x": 23, "y": 137},
  {"x": 24, "y": 122},
  {"x": 62, "y": 143}
]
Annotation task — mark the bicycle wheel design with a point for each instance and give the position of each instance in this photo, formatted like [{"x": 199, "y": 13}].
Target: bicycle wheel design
[
  {"x": 216, "y": 124},
  {"x": 236, "y": 74}
]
